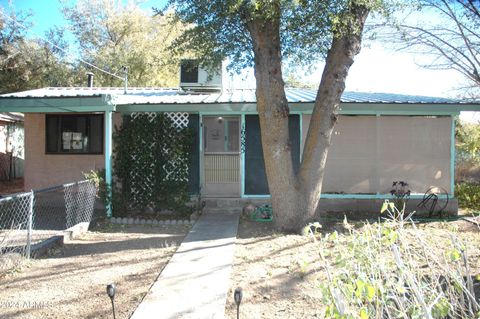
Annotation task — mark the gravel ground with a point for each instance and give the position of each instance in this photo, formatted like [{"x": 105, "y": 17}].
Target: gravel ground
[{"x": 70, "y": 282}]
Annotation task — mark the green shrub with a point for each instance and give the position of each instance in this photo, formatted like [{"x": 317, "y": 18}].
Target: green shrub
[
  {"x": 468, "y": 195},
  {"x": 112, "y": 198}
]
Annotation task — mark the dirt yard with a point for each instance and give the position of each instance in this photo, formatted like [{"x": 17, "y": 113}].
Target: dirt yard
[
  {"x": 71, "y": 281},
  {"x": 11, "y": 187},
  {"x": 280, "y": 274}
]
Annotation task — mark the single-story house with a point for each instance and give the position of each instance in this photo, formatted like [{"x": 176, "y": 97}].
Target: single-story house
[{"x": 379, "y": 138}]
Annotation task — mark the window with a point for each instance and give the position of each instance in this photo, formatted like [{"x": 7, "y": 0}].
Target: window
[
  {"x": 74, "y": 134},
  {"x": 221, "y": 134},
  {"x": 189, "y": 71}
]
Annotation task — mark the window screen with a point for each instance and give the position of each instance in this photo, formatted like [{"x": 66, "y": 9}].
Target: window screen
[
  {"x": 221, "y": 134},
  {"x": 74, "y": 134}
]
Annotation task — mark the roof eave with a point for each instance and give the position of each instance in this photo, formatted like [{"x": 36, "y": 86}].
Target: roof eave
[
  {"x": 73, "y": 104},
  {"x": 106, "y": 102}
]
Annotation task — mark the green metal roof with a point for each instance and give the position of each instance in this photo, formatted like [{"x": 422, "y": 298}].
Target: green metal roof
[{"x": 240, "y": 101}]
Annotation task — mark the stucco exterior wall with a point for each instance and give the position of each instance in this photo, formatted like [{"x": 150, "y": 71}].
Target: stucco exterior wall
[
  {"x": 45, "y": 170},
  {"x": 368, "y": 153}
]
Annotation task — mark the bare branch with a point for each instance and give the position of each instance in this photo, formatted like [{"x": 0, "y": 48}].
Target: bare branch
[{"x": 452, "y": 40}]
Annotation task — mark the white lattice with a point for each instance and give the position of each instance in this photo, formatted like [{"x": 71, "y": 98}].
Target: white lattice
[{"x": 179, "y": 119}]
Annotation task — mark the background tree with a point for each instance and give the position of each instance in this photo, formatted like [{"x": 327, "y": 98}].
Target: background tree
[
  {"x": 265, "y": 33},
  {"x": 30, "y": 63},
  {"x": 294, "y": 78},
  {"x": 468, "y": 139},
  {"x": 449, "y": 34},
  {"x": 111, "y": 34}
]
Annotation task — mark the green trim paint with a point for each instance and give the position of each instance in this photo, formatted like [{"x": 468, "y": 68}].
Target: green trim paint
[{"x": 354, "y": 196}]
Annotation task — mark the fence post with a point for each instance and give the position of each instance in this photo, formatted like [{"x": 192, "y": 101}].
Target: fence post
[{"x": 29, "y": 226}]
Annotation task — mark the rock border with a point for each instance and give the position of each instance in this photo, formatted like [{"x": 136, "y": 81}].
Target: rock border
[{"x": 151, "y": 222}]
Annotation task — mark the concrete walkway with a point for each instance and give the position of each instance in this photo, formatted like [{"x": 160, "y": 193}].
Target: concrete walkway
[{"x": 195, "y": 282}]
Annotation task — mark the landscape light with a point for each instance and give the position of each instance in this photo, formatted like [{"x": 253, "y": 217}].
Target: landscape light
[
  {"x": 237, "y": 296},
  {"x": 111, "y": 294}
]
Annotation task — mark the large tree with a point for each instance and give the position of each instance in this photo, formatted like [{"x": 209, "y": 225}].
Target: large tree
[
  {"x": 112, "y": 34},
  {"x": 266, "y": 33},
  {"x": 449, "y": 34}
]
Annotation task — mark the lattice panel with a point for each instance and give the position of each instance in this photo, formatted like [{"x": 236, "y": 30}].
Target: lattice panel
[
  {"x": 176, "y": 166},
  {"x": 179, "y": 119}
]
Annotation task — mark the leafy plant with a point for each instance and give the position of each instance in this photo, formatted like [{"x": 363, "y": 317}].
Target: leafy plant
[
  {"x": 106, "y": 194},
  {"x": 468, "y": 195},
  {"x": 467, "y": 157},
  {"x": 385, "y": 270},
  {"x": 468, "y": 139},
  {"x": 98, "y": 178}
]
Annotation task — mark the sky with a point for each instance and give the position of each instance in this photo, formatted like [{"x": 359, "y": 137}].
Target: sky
[{"x": 376, "y": 69}]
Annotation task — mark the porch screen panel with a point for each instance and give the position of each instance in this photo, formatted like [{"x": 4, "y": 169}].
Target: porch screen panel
[
  {"x": 194, "y": 165},
  {"x": 368, "y": 153},
  {"x": 416, "y": 150},
  {"x": 352, "y": 157},
  {"x": 255, "y": 176}
]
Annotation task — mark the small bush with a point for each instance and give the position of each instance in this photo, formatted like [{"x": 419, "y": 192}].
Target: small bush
[
  {"x": 386, "y": 270},
  {"x": 106, "y": 194},
  {"x": 468, "y": 195},
  {"x": 467, "y": 170}
]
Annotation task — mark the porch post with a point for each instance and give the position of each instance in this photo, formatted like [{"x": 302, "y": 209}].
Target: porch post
[{"x": 108, "y": 159}]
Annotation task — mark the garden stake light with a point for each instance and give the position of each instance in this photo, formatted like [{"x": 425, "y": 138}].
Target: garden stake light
[
  {"x": 111, "y": 294},
  {"x": 237, "y": 296}
]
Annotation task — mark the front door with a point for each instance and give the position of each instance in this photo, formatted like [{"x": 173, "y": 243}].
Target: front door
[{"x": 221, "y": 156}]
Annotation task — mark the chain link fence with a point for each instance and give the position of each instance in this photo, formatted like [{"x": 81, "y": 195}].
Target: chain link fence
[
  {"x": 27, "y": 218},
  {"x": 15, "y": 222}
]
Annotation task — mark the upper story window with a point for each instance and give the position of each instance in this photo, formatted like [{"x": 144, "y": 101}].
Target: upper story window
[
  {"x": 189, "y": 71},
  {"x": 74, "y": 134}
]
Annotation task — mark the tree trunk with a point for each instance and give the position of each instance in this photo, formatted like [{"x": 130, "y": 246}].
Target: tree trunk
[
  {"x": 339, "y": 60},
  {"x": 295, "y": 197},
  {"x": 273, "y": 114}
]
